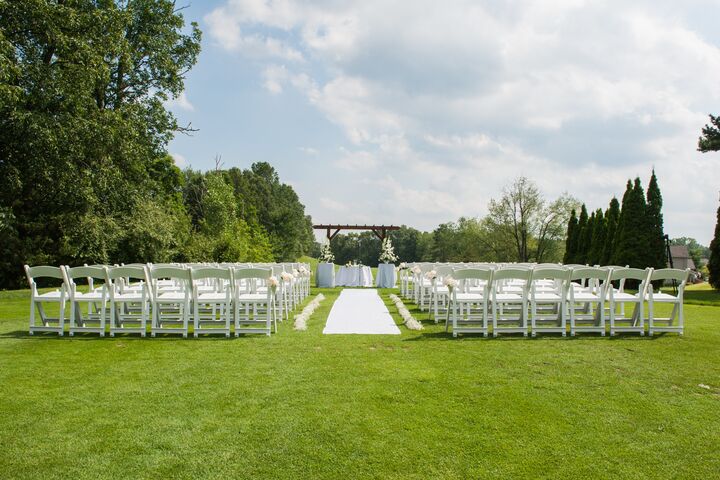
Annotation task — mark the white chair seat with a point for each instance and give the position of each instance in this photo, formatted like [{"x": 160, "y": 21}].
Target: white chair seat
[
  {"x": 55, "y": 295},
  {"x": 172, "y": 296},
  {"x": 252, "y": 297},
  {"x": 664, "y": 297},
  {"x": 128, "y": 296},
  {"x": 469, "y": 297},
  {"x": 212, "y": 297},
  {"x": 508, "y": 297},
  {"x": 625, "y": 296},
  {"x": 547, "y": 297},
  {"x": 89, "y": 296},
  {"x": 586, "y": 297}
]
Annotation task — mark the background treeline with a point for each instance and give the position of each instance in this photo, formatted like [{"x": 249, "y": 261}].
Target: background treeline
[
  {"x": 84, "y": 172},
  {"x": 521, "y": 226},
  {"x": 628, "y": 233}
]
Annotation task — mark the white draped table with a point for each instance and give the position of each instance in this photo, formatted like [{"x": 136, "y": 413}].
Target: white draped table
[
  {"x": 354, "y": 276},
  {"x": 325, "y": 275},
  {"x": 386, "y": 275}
]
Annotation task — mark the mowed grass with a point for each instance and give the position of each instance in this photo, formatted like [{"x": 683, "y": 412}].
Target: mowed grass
[{"x": 306, "y": 405}]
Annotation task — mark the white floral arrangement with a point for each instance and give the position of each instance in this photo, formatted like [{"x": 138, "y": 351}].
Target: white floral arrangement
[
  {"x": 416, "y": 270},
  {"x": 387, "y": 252},
  {"x": 431, "y": 275},
  {"x": 304, "y": 316},
  {"x": 286, "y": 276},
  {"x": 296, "y": 273},
  {"x": 405, "y": 314},
  {"x": 273, "y": 282},
  {"x": 450, "y": 282},
  {"x": 349, "y": 264},
  {"x": 304, "y": 271},
  {"x": 402, "y": 266},
  {"x": 326, "y": 255}
]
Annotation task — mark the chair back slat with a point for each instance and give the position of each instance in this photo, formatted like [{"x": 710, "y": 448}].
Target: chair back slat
[
  {"x": 248, "y": 273},
  {"x": 670, "y": 274},
  {"x": 179, "y": 273},
  {"x": 211, "y": 272},
  {"x": 44, "y": 271},
  {"x": 86, "y": 272}
]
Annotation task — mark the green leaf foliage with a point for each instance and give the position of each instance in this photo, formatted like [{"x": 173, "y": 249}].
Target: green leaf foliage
[
  {"x": 714, "y": 262},
  {"x": 709, "y": 141}
]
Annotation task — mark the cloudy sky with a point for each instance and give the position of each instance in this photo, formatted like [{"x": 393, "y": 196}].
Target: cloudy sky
[{"x": 419, "y": 112}]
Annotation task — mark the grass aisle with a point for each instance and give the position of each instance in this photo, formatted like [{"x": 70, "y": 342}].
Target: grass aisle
[{"x": 305, "y": 405}]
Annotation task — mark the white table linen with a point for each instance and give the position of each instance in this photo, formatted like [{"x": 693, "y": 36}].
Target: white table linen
[{"x": 354, "y": 276}]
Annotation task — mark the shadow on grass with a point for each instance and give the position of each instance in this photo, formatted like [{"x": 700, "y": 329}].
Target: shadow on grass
[{"x": 24, "y": 334}]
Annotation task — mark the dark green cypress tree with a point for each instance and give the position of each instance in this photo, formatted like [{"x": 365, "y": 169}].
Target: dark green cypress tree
[
  {"x": 598, "y": 239},
  {"x": 580, "y": 251},
  {"x": 714, "y": 263},
  {"x": 631, "y": 245},
  {"x": 571, "y": 241},
  {"x": 656, "y": 251},
  {"x": 615, "y": 259},
  {"x": 612, "y": 215},
  {"x": 587, "y": 235}
]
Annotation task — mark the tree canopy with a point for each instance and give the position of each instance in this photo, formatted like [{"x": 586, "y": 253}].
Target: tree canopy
[
  {"x": 85, "y": 176},
  {"x": 709, "y": 141}
]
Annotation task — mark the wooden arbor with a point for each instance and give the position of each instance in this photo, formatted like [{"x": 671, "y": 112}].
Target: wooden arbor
[{"x": 380, "y": 231}]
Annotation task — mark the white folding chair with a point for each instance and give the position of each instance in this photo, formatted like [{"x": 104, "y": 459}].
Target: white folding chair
[
  {"x": 548, "y": 293},
  {"x": 667, "y": 324},
  {"x": 440, "y": 293},
  {"x": 586, "y": 299},
  {"x": 254, "y": 301},
  {"x": 510, "y": 299},
  {"x": 95, "y": 300},
  {"x": 469, "y": 308},
  {"x": 212, "y": 295},
  {"x": 619, "y": 322},
  {"x": 170, "y": 299},
  {"x": 40, "y": 300},
  {"x": 129, "y": 302}
]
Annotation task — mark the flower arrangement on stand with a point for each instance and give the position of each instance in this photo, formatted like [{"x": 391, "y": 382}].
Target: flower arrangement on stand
[
  {"x": 326, "y": 255},
  {"x": 387, "y": 252}
]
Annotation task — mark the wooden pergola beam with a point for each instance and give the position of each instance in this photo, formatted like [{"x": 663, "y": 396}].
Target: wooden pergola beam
[{"x": 380, "y": 231}]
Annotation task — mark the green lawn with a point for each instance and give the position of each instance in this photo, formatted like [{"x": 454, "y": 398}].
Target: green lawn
[{"x": 303, "y": 405}]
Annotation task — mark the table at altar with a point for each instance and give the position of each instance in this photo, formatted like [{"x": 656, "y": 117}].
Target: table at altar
[
  {"x": 325, "y": 275},
  {"x": 386, "y": 276},
  {"x": 354, "y": 276}
]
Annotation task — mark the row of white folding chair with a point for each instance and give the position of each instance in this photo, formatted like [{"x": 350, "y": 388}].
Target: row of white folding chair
[
  {"x": 559, "y": 292},
  {"x": 129, "y": 292}
]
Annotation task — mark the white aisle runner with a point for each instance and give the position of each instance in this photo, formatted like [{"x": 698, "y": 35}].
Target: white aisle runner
[{"x": 360, "y": 311}]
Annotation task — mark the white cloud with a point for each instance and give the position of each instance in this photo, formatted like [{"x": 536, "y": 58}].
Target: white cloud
[
  {"x": 275, "y": 76},
  {"x": 445, "y": 102},
  {"x": 181, "y": 102},
  {"x": 180, "y": 161},
  {"x": 309, "y": 150}
]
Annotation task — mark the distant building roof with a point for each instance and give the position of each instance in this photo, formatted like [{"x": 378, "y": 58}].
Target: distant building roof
[
  {"x": 679, "y": 251},
  {"x": 681, "y": 257}
]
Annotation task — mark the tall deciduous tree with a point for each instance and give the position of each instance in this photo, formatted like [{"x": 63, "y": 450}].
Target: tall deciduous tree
[
  {"x": 83, "y": 129},
  {"x": 656, "y": 250},
  {"x": 535, "y": 228},
  {"x": 714, "y": 263},
  {"x": 612, "y": 216}
]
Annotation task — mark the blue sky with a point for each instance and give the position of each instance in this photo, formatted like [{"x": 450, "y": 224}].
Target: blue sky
[{"x": 419, "y": 112}]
